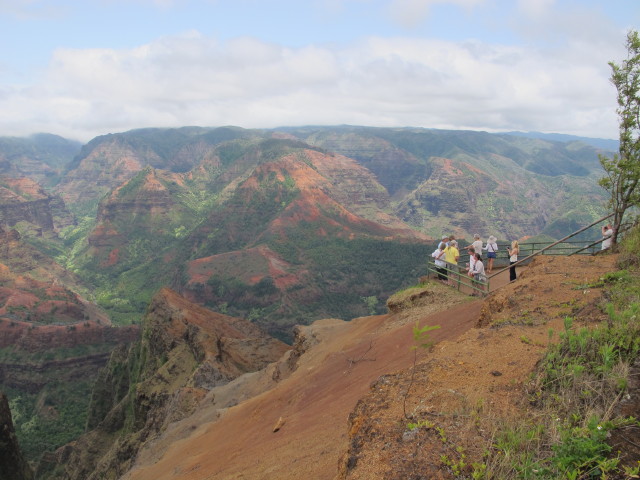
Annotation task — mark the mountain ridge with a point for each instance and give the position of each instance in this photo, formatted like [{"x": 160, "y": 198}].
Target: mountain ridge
[{"x": 280, "y": 227}]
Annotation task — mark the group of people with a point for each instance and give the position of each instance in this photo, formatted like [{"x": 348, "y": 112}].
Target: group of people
[{"x": 447, "y": 255}]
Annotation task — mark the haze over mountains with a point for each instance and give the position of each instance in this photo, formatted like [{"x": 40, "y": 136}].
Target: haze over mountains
[{"x": 279, "y": 227}]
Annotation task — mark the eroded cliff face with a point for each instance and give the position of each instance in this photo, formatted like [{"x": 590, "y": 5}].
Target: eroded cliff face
[
  {"x": 185, "y": 351},
  {"x": 25, "y": 202},
  {"x": 36, "y": 291},
  {"x": 13, "y": 466},
  {"x": 473, "y": 182}
]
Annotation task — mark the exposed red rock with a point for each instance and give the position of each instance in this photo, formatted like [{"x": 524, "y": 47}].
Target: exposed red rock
[
  {"x": 34, "y": 338},
  {"x": 185, "y": 351},
  {"x": 250, "y": 265}
]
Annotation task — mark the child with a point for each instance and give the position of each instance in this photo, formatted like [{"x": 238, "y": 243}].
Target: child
[{"x": 478, "y": 272}]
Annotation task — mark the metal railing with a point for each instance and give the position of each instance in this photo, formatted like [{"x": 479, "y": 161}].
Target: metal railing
[
  {"x": 457, "y": 276},
  {"x": 558, "y": 244},
  {"x": 564, "y": 246}
]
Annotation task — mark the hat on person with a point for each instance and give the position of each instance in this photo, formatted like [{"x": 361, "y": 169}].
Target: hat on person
[{"x": 445, "y": 237}]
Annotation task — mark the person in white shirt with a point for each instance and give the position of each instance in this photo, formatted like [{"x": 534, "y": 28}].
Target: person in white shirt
[
  {"x": 438, "y": 255},
  {"x": 492, "y": 252},
  {"x": 477, "y": 243},
  {"x": 472, "y": 260},
  {"x": 607, "y": 236},
  {"x": 478, "y": 270}
]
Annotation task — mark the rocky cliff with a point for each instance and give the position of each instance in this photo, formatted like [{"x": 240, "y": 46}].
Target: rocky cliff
[
  {"x": 13, "y": 466},
  {"x": 37, "y": 290},
  {"x": 109, "y": 161},
  {"x": 185, "y": 351},
  {"x": 53, "y": 341},
  {"x": 24, "y": 202}
]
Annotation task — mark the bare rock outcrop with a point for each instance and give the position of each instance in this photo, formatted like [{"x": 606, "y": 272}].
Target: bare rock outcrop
[{"x": 185, "y": 351}]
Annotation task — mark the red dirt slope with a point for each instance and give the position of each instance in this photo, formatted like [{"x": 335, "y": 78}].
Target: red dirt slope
[
  {"x": 313, "y": 404},
  {"x": 340, "y": 414}
]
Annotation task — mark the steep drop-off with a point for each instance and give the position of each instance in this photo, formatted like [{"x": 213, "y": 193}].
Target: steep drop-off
[
  {"x": 185, "y": 351},
  {"x": 13, "y": 465}
]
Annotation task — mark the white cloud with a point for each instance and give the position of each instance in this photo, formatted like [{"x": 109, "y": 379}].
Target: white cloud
[
  {"x": 536, "y": 8},
  {"x": 193, "y": 79},
  {"x": 411, "y": 13}
]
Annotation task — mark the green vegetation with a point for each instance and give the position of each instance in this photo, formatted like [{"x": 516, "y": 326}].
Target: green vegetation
[
  {"x": 346, "y": 270},
  {"x": 622, "y": 172},
  {"x": 56, "y": 412},
  {"x": 421, "y": 339},
  {"x": 13, "y": 355},
  {"x": 51, "y": 418},
  {"x": 575, "y": 390}
]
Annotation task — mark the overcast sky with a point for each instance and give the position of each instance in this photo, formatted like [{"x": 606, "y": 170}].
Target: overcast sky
[{"x": 82, "y": 68}]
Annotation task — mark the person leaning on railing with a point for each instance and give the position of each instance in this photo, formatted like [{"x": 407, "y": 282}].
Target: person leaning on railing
[
  {"x": 451, "y": 256},
  {"x": 492, "y": 252},
  {"x": 607, "y": 236},
  {"x": 513, "y": 258}
]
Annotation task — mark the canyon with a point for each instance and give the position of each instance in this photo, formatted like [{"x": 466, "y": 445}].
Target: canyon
[{"x": 269, "y": 229}]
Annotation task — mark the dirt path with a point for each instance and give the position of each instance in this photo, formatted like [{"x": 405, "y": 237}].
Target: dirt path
[{"x": 312, "y": 405}]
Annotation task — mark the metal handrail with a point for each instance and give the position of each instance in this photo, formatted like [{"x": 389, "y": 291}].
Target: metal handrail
[
  {"x": 454, "y": 270},
  {"x": 555, "y": 243},
  {"x": 484, "y": 288}
]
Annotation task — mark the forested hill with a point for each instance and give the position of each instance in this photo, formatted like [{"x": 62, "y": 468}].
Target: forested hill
[
  {"x": 279, "y": 227},
  {"x": 290, "y": 224}
]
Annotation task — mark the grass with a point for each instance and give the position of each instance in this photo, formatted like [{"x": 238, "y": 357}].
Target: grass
[{"x": 574, "y": 392}]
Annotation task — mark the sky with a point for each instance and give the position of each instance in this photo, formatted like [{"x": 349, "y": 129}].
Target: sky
[{"x": 83, "y": 68}]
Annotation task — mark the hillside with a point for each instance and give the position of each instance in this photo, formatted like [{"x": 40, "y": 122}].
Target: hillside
[
  {"x": 330, "y": 205},
  {"x": 340, "y": 413},
  {"x": 280, "y": 227},
  {"x": 184, "y": 352},
  {"x": 53, "y": 342},
  {"x": 41, "y": 157},
  {"x": 468, "y": 182}
]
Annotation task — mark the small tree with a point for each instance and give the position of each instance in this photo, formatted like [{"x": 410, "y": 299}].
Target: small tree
[
  {"x": 622, "y": 172},
  {"x": 421, "y": 339}
]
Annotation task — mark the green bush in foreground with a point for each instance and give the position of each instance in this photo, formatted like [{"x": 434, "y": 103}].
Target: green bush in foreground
[{"x": 577, "y": 385}]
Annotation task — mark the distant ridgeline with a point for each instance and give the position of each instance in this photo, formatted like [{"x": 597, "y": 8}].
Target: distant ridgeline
[{"x": 288, "y": 225}]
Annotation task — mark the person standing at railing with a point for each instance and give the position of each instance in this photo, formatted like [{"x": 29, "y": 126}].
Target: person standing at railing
[
  {"x": 607, "y": 236},
  {"x": 492, "y": 252},
  {"x": 478, "y": 271},
  {"x": 477, "y": 244},
  {"x": 441, "y": 265},
  {"x": 451, "y": 256},
  {"x": 513, "y": 258},
  {"x": 472, "y": 259}
]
